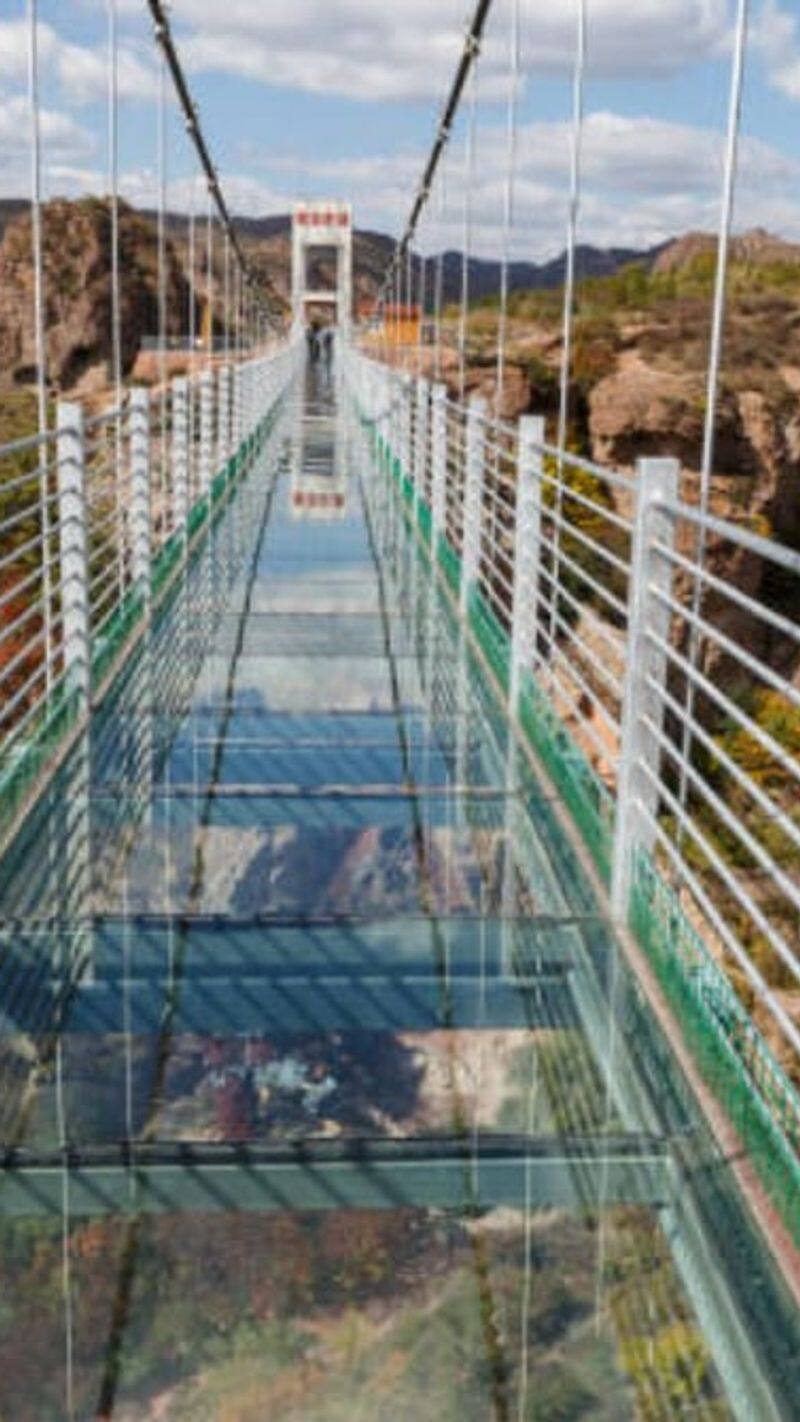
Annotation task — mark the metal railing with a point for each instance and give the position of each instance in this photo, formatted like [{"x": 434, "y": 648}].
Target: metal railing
[
  {"x": 669, "y": 722},
  {"x": 95, "y": 516}
]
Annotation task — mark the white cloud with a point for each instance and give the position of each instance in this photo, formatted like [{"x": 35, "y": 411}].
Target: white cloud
[
  {"x": 644, "y": 180},
  {"x": 83, "y": 74},
  {"x": 62, "y": 137},
  {"x": 246, "y": 196},
  {"x": 80, "y": 72},
  {"x": 365, "y": 49},
  {"x": 777, "y": 35}
]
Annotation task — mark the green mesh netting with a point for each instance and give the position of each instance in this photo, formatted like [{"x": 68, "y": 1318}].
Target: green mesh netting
[
  {"x": 22, "y": 767},
  {"x": 115, "y": 635},
  {"x": 165, "y": 562},
  {"x": 588, "y": 801},
  {"x": 492, "y": 639},
  {"x": 425, "y": 520},
  {"x": 733, "y": 1057},
  {"x": 450, "y": 564},
  {"x": 197, "y": 517}
]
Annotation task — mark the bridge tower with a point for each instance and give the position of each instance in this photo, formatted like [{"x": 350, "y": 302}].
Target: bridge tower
[{"x": 324, "y": 228}]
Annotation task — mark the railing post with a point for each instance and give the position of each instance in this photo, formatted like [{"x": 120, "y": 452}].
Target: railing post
[
  {"x": 473, "y": 498},
  {"x": 406, "y": 405},
  {"x": 645, "y": 674},
  {"x": 180, "y": 453},
  {"x": 73, "y": 548},
  {"x": 223, "y": 416},
  {"x": 420, "y": 439},
  {"x": 527, "y": 544},
  {"x": 247, "y": 400},
  {"x": 206, "y": 431},
  {"x": 139, "y": 428},
  {"x": 438, "y": 465},
  {"x": 236, "y": 409}
]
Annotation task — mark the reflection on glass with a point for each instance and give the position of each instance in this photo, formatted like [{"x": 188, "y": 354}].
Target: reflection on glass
[{"x": 325, "y": 1090}]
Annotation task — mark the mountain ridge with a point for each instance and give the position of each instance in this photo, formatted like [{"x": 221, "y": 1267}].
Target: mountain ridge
[{"x": 372, "y": 250}]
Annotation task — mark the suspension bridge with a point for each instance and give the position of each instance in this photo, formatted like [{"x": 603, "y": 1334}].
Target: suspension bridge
[{"x": 352, "y": 736}]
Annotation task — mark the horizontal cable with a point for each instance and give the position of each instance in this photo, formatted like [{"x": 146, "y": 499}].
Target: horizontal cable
[
  {"x": 789, "y": 888},
  {"x": 729, "y": 590},
  {"x": 771, "y": 552},
  {"x": 778, "y": 752},
  {"x": 768, "y": 807},
  {"x": 723, "y": 872},
  {"x": 734, "y": 649}
]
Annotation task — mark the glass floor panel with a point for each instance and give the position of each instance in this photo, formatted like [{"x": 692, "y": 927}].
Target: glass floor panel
[
  {"x": 392, "y": 1314},
  {"x": 327, "y": 1091}
]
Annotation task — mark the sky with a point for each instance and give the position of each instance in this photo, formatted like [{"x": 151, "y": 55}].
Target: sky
[{"x": 340, "y": 98}]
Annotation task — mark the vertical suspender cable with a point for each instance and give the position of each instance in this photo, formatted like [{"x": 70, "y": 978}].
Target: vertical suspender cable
[
  {"x": 163, "y": 481},
  {"x": 576, "y": 140},
  {"x": 113, "y": 175},
  {"x": 210, "y": 280},
  {"x": 226, "y": 294},
  {"x": 439, "y": 278},
  {"x": 409, "y": 300},
  {"x": 191, "y": 329},
  {"x": 192, "y": 325},
  {"x": 398, "y": 298},
  {"x": 116, "y": 313},
  {"x": 508, "y": 202},
  {"x": 39, "y": 331},
  {"x": 241, "y": 289},
  {"x": 714, "y": 364},
  {"x": 466, "y": 254},
  {"x": 423, "y": 296}
]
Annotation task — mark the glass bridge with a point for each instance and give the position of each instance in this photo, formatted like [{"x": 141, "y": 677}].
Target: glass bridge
[{"x": 327, "y": 1091}]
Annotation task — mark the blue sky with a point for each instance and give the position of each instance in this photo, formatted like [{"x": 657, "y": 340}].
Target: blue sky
[{"x": 339, "y": 98}]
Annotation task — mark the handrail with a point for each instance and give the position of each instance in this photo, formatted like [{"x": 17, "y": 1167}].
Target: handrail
[{"x": 590, "y": 651}]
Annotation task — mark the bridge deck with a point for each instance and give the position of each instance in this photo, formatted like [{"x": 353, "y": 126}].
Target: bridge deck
[{"x": 297, "y": 904}]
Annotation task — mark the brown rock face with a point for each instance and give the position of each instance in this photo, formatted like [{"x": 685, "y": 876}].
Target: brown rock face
[
  {"x": 639, "y": 411},
  {"x": 77, "y": 291},
  {"x": 756, "y": 248},
  {"x": 515, "y": 399}
]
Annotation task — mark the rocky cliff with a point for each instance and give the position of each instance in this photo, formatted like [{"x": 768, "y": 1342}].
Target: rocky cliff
[{"x": 77, "y": 291}]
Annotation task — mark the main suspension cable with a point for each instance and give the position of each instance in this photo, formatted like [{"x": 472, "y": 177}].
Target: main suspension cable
[
  {"x": 469, "y": 55},
  {"x": 164, "y": 37}
]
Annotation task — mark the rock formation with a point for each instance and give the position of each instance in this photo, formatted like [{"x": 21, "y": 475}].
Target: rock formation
[{"x": 77, "y": 291}]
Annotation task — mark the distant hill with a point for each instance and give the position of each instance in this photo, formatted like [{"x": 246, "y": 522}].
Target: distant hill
[
  {"x": 756, "y": 248},
  {"x": 77, "y": 266},
  {"x": 372, "y": 251}
]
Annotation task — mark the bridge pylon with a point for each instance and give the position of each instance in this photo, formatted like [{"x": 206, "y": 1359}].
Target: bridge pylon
[{"x": 322, "y": 226}]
